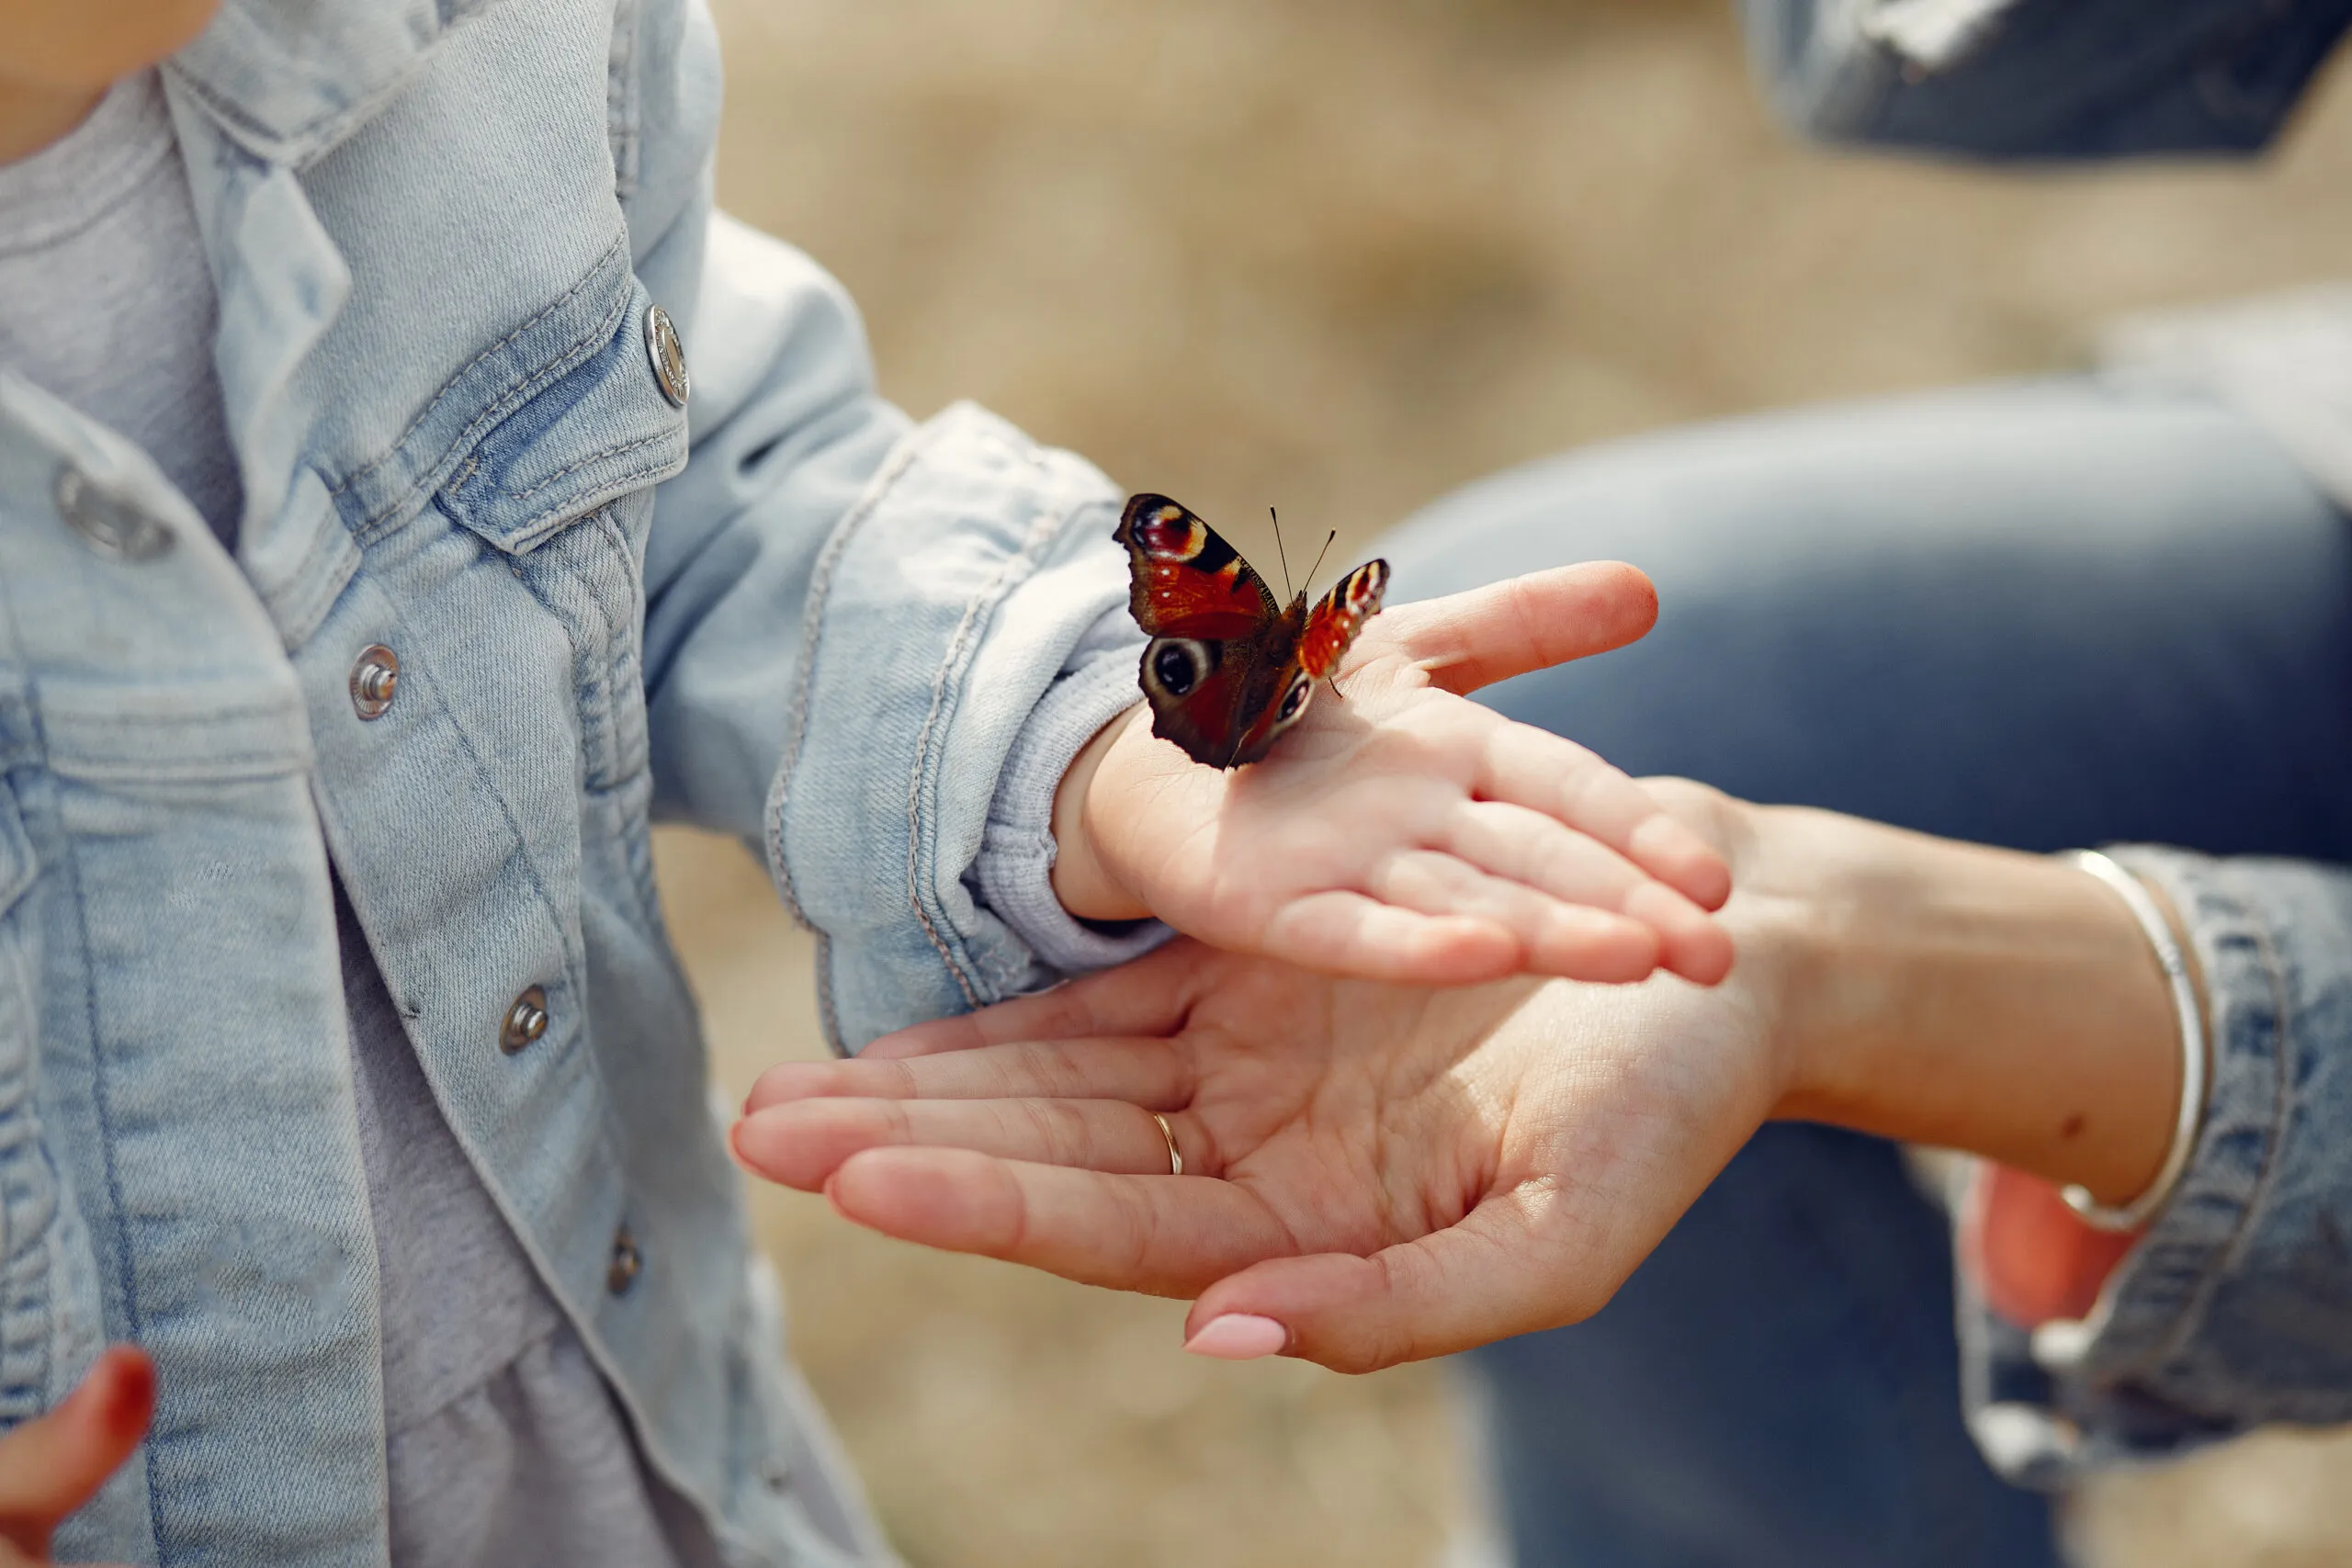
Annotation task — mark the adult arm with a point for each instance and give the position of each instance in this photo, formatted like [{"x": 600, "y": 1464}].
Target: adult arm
[{"x": 1386, "y": 1174}]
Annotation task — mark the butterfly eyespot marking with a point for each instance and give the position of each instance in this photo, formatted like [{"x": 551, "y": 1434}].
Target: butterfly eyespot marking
[
  {"x": 1175, "y": 665},
  {"x": 1294, "y": 700},
  {"x": 1171, "y": 533}
]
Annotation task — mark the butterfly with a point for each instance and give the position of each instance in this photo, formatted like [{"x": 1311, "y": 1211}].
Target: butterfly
[{"x": 1227, "y": 672}]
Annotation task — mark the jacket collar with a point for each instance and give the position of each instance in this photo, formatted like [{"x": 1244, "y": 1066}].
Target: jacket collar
[{"x": 288, "y": 79}]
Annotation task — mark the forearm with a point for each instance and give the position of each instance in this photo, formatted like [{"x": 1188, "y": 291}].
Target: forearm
[{"x": 1949, "y": 994}]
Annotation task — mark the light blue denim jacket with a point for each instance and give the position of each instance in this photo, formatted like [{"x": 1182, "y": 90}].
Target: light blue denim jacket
[
  {"x": 786, "y": 611},
  {"x": 2235, "y": 1310}
]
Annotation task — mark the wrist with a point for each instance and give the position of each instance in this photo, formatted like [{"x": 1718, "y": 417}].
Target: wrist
[
  {"x": 1082, "y": 878},
  {"x": 1963, "y": 997}
]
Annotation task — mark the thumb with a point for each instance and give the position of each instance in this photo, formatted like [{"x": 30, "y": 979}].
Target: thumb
[
  {"x": 52, "y": 1465},
  {"x": 1464, "y": 1286},
  {"x": 1522, "y": 624}
]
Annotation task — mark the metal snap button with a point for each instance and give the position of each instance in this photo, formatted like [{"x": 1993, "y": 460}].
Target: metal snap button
[
  {"x": 628, "y": 1263},
  {"x": 668, "y": 354},
  {"x": 110, "y": 526},
  {"x": 375, "y": 680},
  {"x": 526, "y": 1020}
]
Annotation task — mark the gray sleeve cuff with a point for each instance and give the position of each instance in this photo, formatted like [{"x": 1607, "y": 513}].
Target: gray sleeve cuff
[{"x": 1016, "y": 860}]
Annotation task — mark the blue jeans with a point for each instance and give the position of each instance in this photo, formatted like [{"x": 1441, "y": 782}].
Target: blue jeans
[{"x": 2039, "y": 614}]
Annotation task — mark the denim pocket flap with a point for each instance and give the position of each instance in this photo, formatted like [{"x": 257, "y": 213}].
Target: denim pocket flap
[{"x": 604, "y": 429}]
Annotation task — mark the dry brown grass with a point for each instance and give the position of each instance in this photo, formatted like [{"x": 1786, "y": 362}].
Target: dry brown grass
[{"x": 1339, "y": 255}]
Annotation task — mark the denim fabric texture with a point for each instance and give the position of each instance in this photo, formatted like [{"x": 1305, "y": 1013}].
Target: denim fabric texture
[
  {"x": 2041, "y": 80},
  {"x": 787, "y": 612}
]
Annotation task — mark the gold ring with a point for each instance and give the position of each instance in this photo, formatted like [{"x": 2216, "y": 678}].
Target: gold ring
[{"x": 1175, "y": 1158}]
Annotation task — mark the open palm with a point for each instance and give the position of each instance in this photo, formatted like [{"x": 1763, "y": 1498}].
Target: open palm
[
  {"x": 1386, "y": 1173},
  {"x": 1407, "y": 832}
]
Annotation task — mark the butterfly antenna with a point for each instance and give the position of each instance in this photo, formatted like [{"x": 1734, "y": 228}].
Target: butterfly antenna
[
  {"x": 1320, "y": 554},
  {"x": 1279, "y": 554}
]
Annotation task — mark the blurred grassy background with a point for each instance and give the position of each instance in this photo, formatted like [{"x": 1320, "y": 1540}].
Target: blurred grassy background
[{"x": 1339, "y": 255}]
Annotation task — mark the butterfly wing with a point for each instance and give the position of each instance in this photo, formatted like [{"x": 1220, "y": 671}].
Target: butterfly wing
[
  {"x": 1185, "y": 580},
  {"x": 1336, "y": 620},
  {"x": 1208, "y": 668},
  {"x": 1320, "y": 638}
]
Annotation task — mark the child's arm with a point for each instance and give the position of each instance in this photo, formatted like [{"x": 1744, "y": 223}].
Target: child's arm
[
  {"x": 856, "y": 626},
  {"x": 851, "y": 620}
]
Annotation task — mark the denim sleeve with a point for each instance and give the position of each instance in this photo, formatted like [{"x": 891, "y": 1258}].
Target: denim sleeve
[
  {"x": 2235, "y": 1309},
  {"x": 2042, "y": 79},
  {"x": 852, "y": 618},
  {"x": 1014, "y": 874}
]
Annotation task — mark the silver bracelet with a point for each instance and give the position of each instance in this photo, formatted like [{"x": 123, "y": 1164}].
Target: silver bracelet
[{"x": 2132, "y": 1215}]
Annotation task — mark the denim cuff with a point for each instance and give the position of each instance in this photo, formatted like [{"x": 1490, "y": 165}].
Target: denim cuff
[
  {"x": 1016, "y": 863},
  {"x": 976, "y": 570},
  {"x": 2229, "y": 1313}
]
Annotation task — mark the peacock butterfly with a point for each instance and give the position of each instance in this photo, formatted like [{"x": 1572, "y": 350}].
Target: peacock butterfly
[{"x": 1227, "y": 672}]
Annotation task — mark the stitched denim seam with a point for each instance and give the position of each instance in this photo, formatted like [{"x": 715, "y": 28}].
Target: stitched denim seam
[
  {"x": 592, "y": 779},
  {"x": 577, "y": 463},
  {"x": 230, "y": 767},
  {"x": 2222, "y": 1258},
  {"x": 299, "y": 616},
  {"x": 625, "y": 480},
  {"x": 499, "y": 404},
  {"x": 127, "y": 1275},
  {"x": 575, "y": 961},
  {"x": 828, "y": 1017},
  {"x": 300, "y": 143},
  {"x": 941, "y": 683},
  {"x": 812, "y": 620}
]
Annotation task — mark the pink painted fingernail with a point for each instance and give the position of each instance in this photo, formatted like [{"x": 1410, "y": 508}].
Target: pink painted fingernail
[{"x": 1239, "y": 1337}]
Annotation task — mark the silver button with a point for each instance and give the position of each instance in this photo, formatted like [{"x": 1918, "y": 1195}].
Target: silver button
[
  {"x": 526, "y": 1020},
  {"x": 668, "y": 354},
  {"x": 112, "y": 526},
  {"x": 628, "y": 1263},
  {"x": 375, "y": 680}
]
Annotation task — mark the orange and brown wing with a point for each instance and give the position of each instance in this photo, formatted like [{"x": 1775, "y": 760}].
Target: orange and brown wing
[
  {"x": 1338, "y": 615},
  {"x": 1185, "y": 580}
]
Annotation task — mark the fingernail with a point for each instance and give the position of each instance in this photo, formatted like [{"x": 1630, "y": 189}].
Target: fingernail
[{"x": 1239, "y": 1337}]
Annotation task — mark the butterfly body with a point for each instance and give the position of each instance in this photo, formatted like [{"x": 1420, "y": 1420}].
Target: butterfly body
[{"x": 1227, "y": 669}]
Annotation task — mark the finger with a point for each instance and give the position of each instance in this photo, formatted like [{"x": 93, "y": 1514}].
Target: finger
[
  {"x": 802, "y": 1145},
  {"x": 1529, "y": 848},
  {"x": 1482, "y": 1279},
  {"x": 1147, "y": 997},
  {"x": 1147, "y": 1072},
  {"x": 1530, "y": 767},
  {"x": 1571, "y": 938},
  {"x": 1165, "y": 1235},
  {"x": 1507, "y": 628},
  {"x": 1340, "y": 932},
  {"x": 52, "y": 1465}
]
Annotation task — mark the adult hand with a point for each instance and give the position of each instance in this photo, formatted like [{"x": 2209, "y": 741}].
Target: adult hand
[
  {"x": 52, "y": 1465},
  {"x": 1405, "y": 832},
  {"x": 1374, "y": 1173}
]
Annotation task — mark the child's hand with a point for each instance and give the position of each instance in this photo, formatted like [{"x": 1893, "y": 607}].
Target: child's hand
[
  {"x": 51, "y": 1466},
  {"x": 1407, "y": 834}
]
